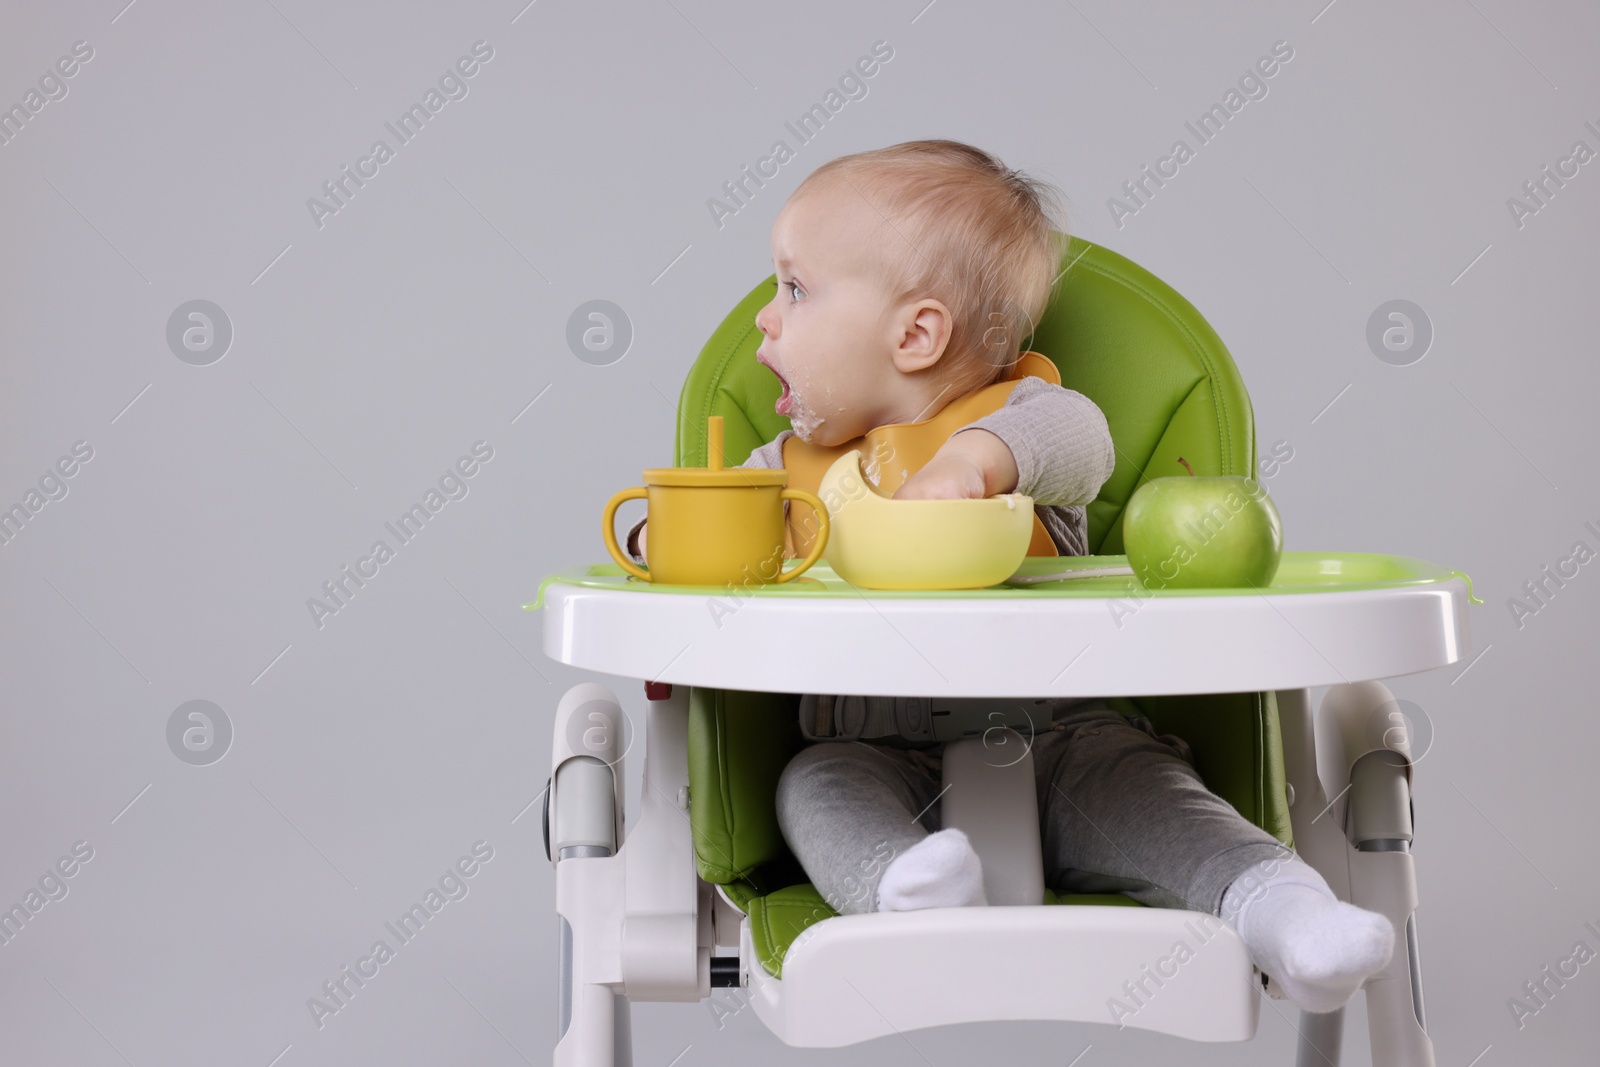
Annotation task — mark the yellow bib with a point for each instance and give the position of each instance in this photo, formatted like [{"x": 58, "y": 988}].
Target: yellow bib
[{"x": 892, "y": 453}]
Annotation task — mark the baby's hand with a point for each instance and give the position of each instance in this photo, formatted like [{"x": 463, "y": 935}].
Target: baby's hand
[
  {"x": 973, "y": 463},
  {"x": 953, "y": 476}
]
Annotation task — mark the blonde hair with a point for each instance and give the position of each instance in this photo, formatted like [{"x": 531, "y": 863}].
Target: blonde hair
[{"x": 969, "y": 232}]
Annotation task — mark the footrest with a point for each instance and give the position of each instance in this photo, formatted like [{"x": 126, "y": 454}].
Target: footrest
[{"x": 852, "y": 978}]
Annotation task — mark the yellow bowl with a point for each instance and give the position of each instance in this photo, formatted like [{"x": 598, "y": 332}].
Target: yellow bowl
[{"x": 878, "y": 542}]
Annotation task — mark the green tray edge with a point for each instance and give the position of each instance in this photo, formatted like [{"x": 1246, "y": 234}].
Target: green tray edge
[{"x": 1423, "y": 573}]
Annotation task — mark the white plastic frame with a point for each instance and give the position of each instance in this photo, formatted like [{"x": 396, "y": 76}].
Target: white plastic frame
[{"x": 645, "y": 926}]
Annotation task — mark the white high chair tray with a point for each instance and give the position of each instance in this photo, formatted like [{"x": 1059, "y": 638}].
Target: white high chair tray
[{"x": 1327, "y": 617}]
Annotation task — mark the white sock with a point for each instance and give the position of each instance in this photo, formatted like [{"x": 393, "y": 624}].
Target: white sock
[
  {"x": 940, "y": 871},
  {"x": 1317, "y": 947}
]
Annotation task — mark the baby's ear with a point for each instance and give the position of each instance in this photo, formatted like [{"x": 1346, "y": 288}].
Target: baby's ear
[{"x": 925, "y": 336}]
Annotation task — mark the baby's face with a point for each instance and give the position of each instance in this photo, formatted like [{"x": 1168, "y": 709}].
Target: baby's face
[{"x": 831, "y": 328}]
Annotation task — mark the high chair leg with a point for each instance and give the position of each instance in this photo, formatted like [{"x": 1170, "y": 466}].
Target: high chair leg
[
  {"x": 1321, "y": 1039},
  {"x": 583, "y": 822},
  {"x": 1360, "y": 841},
  {"x": 632, "y": 922},
  {"x": 1383, "y": 879}
]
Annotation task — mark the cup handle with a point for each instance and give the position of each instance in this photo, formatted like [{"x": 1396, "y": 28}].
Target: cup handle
[
  {"x": 608, "y": 528},
  {"x": 818, "y": 543}
]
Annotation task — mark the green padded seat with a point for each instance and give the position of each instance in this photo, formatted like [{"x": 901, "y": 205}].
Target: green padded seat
[
  {"x": 1167, "y": 387},
  {"x": 740, "y": 741}
]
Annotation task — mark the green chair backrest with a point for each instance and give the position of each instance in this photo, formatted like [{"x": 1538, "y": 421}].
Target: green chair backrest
[
  {"x": 1167, "y": 387},
  {"x": 1120, "y": 336}
]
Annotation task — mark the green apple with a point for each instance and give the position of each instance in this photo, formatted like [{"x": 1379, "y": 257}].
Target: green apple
[{"x": 1193, "y": 532}]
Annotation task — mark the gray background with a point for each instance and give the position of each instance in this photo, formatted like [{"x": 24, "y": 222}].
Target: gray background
[{"x": 369, "y": 354}]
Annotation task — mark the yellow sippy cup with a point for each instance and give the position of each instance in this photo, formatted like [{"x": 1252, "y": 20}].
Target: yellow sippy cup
[{"x": 715, "y": 526}]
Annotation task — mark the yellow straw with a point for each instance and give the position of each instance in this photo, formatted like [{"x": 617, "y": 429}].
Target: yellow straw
[{"x": 714, "y": 433}]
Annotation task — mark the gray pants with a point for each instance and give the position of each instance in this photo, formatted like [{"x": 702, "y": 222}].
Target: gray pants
[{"x": 1120, "y": 810}]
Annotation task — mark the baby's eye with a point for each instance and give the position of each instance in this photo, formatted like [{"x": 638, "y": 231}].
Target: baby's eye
[{"x": 795, "y": 292}]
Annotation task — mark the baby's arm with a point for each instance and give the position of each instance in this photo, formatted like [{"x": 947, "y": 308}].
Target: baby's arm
[
  {"x": 769, "y": 457},
  {"x": 1048, "y": 442}
]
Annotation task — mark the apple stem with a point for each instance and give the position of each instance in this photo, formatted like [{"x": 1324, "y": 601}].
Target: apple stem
[{"x": 1186, "y": 467}]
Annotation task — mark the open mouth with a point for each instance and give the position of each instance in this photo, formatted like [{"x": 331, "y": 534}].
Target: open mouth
[{"x": 785, "y": 399}]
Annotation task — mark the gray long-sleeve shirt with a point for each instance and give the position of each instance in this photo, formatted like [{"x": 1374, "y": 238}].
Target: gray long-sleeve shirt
[{"x": 1062, "y": 446}]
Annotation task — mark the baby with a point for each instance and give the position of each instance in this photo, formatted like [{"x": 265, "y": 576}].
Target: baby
[{"x": 906, "y": 278}]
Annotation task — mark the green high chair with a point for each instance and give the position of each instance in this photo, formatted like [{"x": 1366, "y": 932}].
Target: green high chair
[{"x": 704, "y": 895}]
